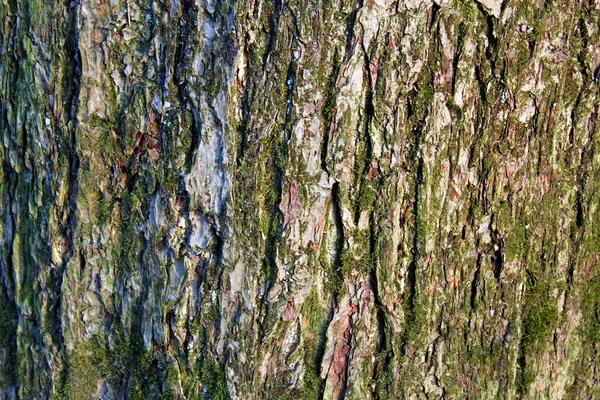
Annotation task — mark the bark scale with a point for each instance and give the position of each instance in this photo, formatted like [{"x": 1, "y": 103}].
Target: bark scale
[{"x": 301, "y": 199}]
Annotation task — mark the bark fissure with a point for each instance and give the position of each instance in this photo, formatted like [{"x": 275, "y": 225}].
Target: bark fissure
[
  {"x": 303, "y": 200},
  {"x": 382, "y": 354},
  {"x": 188, "y": 11},
  {"x": 340, "y": 242},
  {"x": 329, "y": 110},
  {"x": 73, "y": 83}
]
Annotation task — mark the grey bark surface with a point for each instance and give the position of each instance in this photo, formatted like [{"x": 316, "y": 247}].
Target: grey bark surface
[{"x": 299, "y": 200}]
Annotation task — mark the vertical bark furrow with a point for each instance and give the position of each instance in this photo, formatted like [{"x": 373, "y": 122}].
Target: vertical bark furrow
[{"x": 304, "y": 199}]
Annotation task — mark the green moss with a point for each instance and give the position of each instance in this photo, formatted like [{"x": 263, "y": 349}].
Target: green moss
[
  {"x": 334, "y": 279},
  {"x": 273, "y": 162},
  {"x": 102, "y": 137},
  {"x": 524, "y": 379},
  {"x": 314, "y": 334},
  {"x": 171, "y": 381},
  {"x": 516, "y": 241},
  {"x": 103, "y": 209},
  {"x": 8, "y": 327},
  {"x": 366, "y": 198},
  {"x": 540, "y": 318},
  {"x": 364, "y": 259},
  {"x": 383, "y": 375},
  {"x": 168, "y": 179},
  {"x": 128, "y": 248},
  {"x": 106, "y": 124},
  {"x": 590, "y": 305},
  {"x": 85, "y": 370},
  {"x": 541, "y": 315},
  {"x": 414, "y": 323},
  {"x": 210, "y": 313},
  {"x": 214, "y": 380},
  {"x": 484, "y": 356},
  {"x": 208, "y": 379},
  {"x": 126, "y": 360}
]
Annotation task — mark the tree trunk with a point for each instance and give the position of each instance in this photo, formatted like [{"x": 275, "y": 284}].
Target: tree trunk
[{"x": 299, "y": 200}]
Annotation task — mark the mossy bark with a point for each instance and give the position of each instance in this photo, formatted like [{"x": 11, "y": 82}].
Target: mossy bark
[{"x": 305, "y": 199}]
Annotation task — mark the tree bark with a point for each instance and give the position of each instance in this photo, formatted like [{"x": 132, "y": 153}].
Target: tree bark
[{"x": 300, "y": 199}]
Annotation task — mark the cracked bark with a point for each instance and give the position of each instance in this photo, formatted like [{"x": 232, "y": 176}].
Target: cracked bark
[{"x": 322, "y": 200}]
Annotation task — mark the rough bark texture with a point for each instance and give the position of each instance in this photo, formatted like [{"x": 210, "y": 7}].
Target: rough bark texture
[{"x": 304, "y": 199}]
